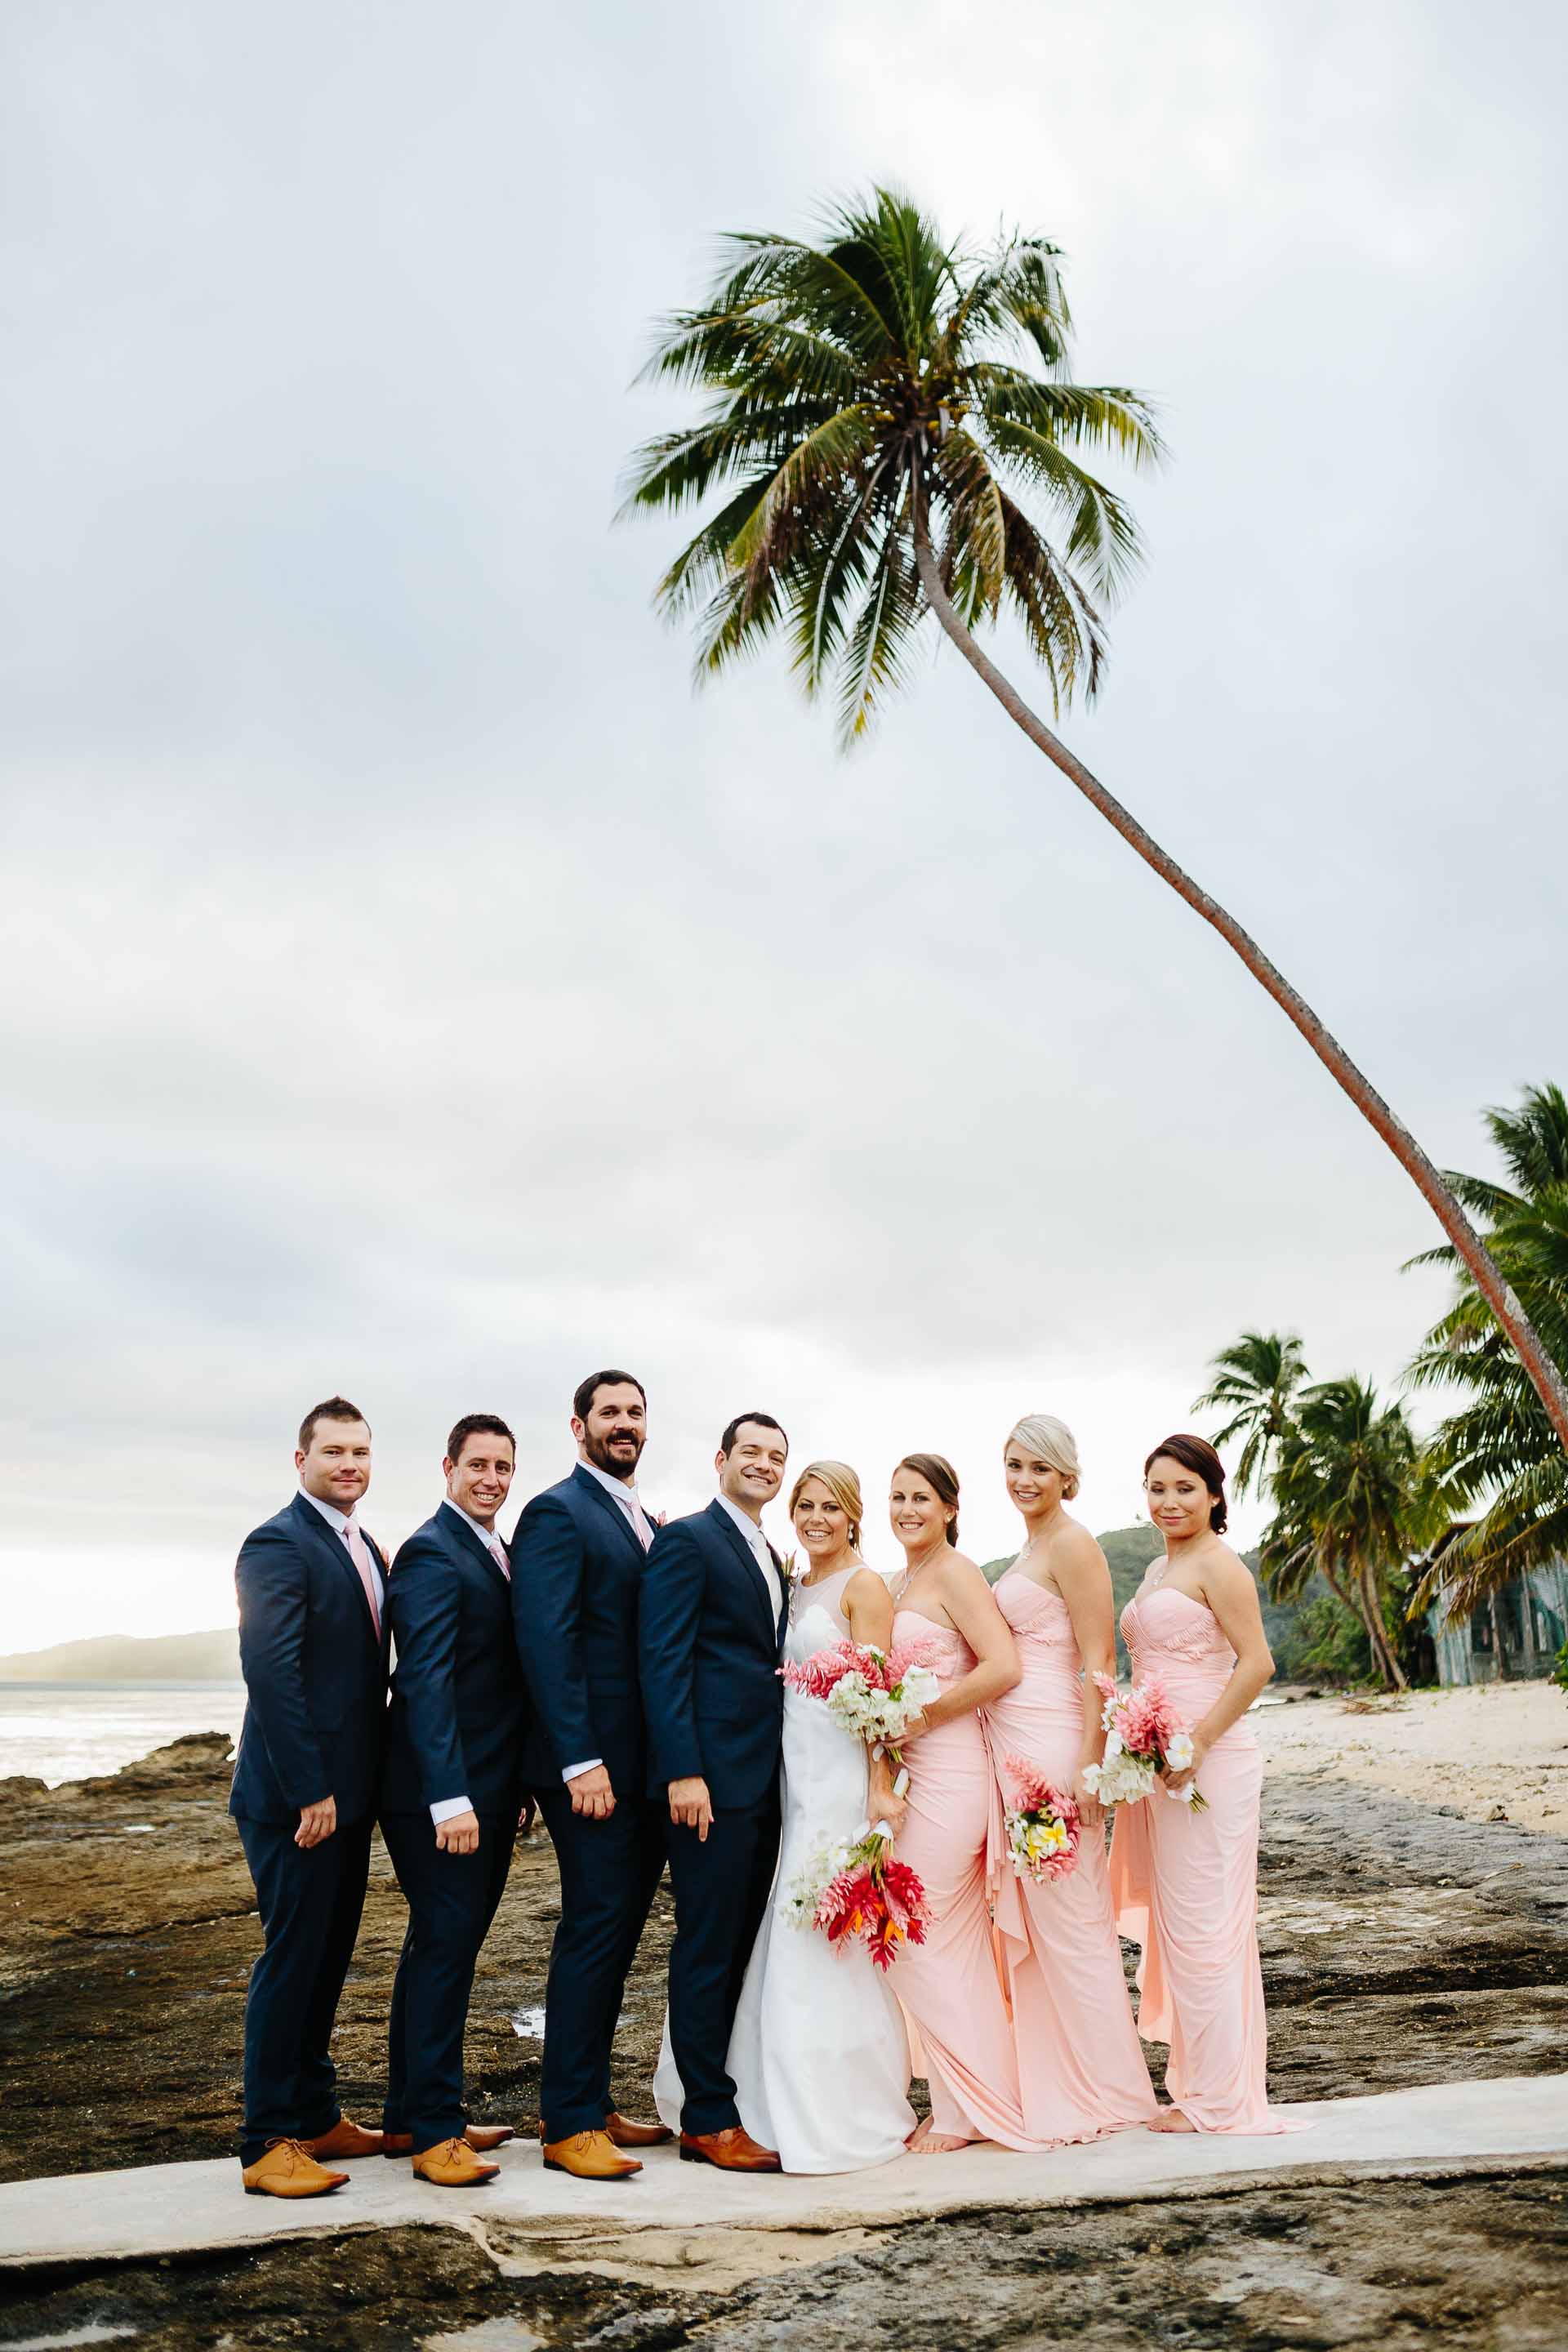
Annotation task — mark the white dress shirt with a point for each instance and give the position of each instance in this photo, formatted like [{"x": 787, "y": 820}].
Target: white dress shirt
[
  {"x": 340, "y": 1523},
  {"x": 444, "y": 1808},
  {"x": 626, "y": 1496},
  {"x": 642, "y": 1526},
  {"x": 761, "y": 1553}
]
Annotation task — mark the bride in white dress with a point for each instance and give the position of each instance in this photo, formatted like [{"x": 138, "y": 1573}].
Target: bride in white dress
[{"x": 819, "y": 2055}]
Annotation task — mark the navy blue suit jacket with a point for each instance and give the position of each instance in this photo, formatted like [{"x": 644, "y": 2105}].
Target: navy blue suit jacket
[
  {"x": 315, "y": 1674},
  {"x": 455, "y": 1727},
  {"x": 710, "y": 1651},
  {"x": 576, "y": 1572}
]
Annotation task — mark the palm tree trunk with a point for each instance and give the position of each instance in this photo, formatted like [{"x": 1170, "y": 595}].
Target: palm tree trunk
[
  {"x": 1384, "y": 1658},
  {"x": 1490, "y": 1279}
]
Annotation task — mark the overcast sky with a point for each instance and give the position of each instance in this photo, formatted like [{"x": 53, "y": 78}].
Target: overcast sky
[{"x": 412, "y": 988}]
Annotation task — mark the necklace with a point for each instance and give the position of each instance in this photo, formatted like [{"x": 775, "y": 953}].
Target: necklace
[{"x": 914, "y": 1568}]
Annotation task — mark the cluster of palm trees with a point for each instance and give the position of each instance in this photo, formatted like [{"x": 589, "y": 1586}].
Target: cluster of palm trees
[{"x": 1390, "y": 1523}]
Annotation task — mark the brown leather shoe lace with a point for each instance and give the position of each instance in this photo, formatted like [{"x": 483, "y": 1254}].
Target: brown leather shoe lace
[
  {"x": 297, "y": 2153},
  {"x": 453, "y": 2151}
]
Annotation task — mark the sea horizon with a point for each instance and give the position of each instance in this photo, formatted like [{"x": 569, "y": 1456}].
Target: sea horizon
[{"x": 57, "y": 1731}]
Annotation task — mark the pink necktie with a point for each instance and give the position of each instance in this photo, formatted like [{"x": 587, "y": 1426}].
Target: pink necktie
[
  {"x": 498, "y": 1553},
  {"x": 361, "y": 1558},
  {"x": 641, "y": 1523}
]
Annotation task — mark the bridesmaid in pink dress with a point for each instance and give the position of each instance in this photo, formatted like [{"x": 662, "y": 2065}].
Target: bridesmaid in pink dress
[
  {"x": 950, "y": 1992},
  {"x": 1185, "y": 1882},
  {"x": 1080, "y": 2069}
]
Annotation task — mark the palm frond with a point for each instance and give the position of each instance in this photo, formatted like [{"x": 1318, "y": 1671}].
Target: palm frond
[
  {"x": 875, "y": 655},
  {"x": 1060, "y": 621},
  {"x": 1107, "y": 417},
  {"x": 1101, "y": 535}
]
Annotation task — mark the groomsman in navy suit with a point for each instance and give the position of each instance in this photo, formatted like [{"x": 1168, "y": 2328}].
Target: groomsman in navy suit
[
  {"x": 577, "y": 1568},
  {"x": 450, "y": 1793},
  {"x": 313, "y": 1652},
  {"x": 715, "y": 1608}
]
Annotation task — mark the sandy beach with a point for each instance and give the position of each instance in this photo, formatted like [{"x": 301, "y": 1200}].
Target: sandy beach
[{"x": 1496, "y": 1753}]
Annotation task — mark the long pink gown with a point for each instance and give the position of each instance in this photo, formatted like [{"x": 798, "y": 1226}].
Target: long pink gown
[
  {"x": 949, "y": 1987},
  {"x": 1081, "y": 2070},
  {"x": 1186, "y": 1884}
]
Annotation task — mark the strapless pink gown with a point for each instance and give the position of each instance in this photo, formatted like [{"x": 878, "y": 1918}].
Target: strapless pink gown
[
  {"x": 951, "y": 1995},
  {"x": 1185, "y": 1885},
  {"x": 1080, "y": 2069}
]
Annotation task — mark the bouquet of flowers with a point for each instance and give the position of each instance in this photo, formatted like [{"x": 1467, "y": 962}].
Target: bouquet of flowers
[
  {"x": 1142, "y": 1739},
  {"x": 854, "y": 1891},
  {"x": 873, "y": 1693},
  {"x": 1042, "y": 1825}
]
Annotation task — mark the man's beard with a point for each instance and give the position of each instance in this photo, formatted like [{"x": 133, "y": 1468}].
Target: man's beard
[{"x": 615, "y": 1465}]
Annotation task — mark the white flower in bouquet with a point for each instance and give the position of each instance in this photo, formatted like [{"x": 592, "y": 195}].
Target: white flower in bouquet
[
  {"x": 1121, "y": 1778},
  {"x": 801, "y": 1896}
]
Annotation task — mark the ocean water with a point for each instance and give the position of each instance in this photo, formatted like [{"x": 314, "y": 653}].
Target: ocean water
[{"x": 74, "y": 1731}]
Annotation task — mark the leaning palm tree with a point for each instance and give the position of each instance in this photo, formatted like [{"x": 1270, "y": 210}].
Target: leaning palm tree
[
  {"x": 1353, "y": 1504},
  {"x": 1254, "y": 1380},
  {"x": 1497, "y": 1449},
  {"x": 893, "y": 432}
]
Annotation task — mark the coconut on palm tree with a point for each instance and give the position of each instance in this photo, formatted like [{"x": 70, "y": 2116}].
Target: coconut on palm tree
[
  {"x": 1497, "y": 1449},
  {"x": 1255, "y": 1378},
  {"x": 893, "y": 432}
]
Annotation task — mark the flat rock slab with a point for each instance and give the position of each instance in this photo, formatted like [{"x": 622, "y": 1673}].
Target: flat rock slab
[{"x": 175, "y": 2208}]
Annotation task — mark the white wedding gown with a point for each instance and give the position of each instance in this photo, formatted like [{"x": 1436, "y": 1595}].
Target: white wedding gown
[{"x": 819, "y": 2056}]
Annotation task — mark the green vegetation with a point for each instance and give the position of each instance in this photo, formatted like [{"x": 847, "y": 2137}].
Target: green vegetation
[
  {"x": 1363, "y": 1510},
  {"x": 1499, "y": 1448}
]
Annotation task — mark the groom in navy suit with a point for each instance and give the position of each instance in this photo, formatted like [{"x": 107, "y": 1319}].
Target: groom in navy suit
[
  {"x": 313, "y": 1652},
  {"x": 451, "y": 1794},
  {"x": 577, "y": 1570},
  {"x": 715, "y": 1608}
]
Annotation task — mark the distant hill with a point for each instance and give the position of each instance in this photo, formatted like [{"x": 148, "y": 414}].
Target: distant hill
[{"x": 131, "y": 1658}]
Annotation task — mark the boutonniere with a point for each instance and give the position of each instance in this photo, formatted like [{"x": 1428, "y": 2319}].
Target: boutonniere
[{"x": 792, "y": 1568}]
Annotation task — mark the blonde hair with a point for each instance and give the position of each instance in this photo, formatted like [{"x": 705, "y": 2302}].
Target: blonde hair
[
  {"x": 1050, "y": 1440},
  {"x": 845, "y": 1488}
]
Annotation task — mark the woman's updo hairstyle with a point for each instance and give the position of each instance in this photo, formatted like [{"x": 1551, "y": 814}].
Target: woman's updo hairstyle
[
  {"x": 845, "y": 1488},
  {"x": 1051, "y": 1441},
  {"x": 941, "y": 1478},
  {"x": 1198, "y": 1455}
]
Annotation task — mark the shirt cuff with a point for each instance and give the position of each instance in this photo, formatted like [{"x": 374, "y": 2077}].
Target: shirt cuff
[
  {"x": 572, "y": 1770},
  {"x": 447, "y": 1807}
]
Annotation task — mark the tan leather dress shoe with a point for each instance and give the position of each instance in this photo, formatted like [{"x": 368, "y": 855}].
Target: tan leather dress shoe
[
  {"x": 733, "y": 2150},
  {"x": 481, "y": 2138},
  {"x": 288, "y": 2168},
  {"x": 346, "y": 2138},
  {"x": 625, "y": 2133},
  {"x": 452, "y": 2163},
  {"x": 590, "y": 2156}
]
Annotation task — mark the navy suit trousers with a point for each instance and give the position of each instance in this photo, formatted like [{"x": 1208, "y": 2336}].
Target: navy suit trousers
[
  {"x": 722, "y": 1887},
  {"x": 311, "y": 1901},
  {"x": 609, "y": 1874},
  {"x": 452, "y": 1898}
]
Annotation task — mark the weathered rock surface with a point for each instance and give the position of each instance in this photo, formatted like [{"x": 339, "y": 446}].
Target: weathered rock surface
[
  {"x": 1401, "y": 1945},
  {"x": 1477, "y": 2265}
]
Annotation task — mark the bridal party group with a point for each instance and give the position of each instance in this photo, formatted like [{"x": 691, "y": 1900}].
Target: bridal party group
[{"x": 659, "y": 1694}]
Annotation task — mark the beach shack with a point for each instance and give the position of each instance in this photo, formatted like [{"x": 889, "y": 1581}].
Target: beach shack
[{"x": 1517, "y": 1633}]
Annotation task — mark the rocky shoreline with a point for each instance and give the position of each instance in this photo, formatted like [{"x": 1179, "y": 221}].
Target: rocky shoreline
[{"x": 1401, "y": 1945}]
